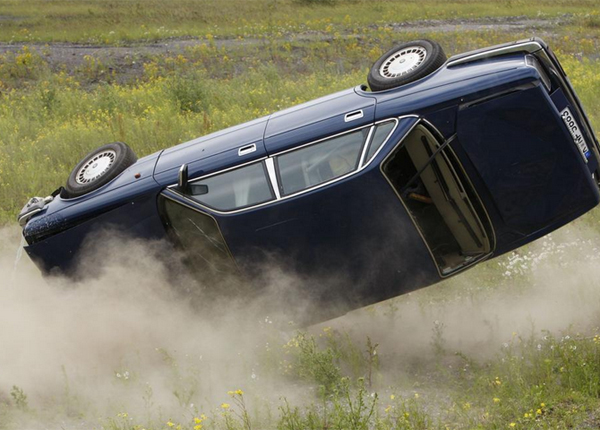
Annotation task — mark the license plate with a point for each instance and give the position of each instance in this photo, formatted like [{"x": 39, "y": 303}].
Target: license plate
[{"x": 576, "y": 134}]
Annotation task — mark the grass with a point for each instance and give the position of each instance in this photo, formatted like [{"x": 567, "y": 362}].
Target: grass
[
  {"x": 114, "y": 22},
  {"x": 52, "y": 114}
]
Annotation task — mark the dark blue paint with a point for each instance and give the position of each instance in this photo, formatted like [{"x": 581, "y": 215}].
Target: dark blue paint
[
  {"x": 526, "y": 159},
  {"x": 354, "y": 236},
  {"x": 318, "y": 119},
  {"x": 135, "y": 217}
]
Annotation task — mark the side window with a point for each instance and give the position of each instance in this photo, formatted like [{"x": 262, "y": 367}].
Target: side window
[
  {"x": 321, "y": 162},
  {"x": 199, "y": 236},
  {"x": 380, "y": 135},
  {"x": 235, "y": 189}
]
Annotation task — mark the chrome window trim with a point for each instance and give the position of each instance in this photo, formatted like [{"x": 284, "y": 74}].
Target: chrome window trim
[
  {"x": 386, "y": 139},
  {"x": 440, "y": 136},
  {"x": 274, "y": 182},
  {"x": 365, "y": 148},
  {"x": 237, "y": 166},
  {"x": 314, "y": 142},
  {"x": 270, "y": 164},
  {"x": 353, "y": 172},
  {"x": 529, "y": 46}
]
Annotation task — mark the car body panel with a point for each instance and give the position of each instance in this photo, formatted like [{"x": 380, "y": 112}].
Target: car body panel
[
  {"x": 223, "y": 146},
  {"x": 144, "y": 167},
  {"x": 317, "y": 119},
  {"x": 353, "y": 238},
  {"x": 518, "y": 148},
  {"x": 133, "y": 216},
  {"x": 323, "y": 241}
]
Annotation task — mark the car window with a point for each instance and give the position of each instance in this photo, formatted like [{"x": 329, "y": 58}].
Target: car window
[
  {"x": 440, "y": 200},
  {"x": 321, "y": 162},
  {"x": 200, "y": 239},
  {"x": 382, "y": 131},
  {"x": 234, "y": 189}
]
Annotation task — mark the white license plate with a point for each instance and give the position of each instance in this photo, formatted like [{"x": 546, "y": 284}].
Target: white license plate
[{"x": 576, "y": 134}]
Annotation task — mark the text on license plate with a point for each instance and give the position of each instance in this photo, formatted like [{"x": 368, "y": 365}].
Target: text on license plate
[{"x": 575, "y": 131}]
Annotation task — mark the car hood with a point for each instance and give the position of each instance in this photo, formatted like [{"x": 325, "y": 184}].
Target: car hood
[{"x": 135, "y": 180}]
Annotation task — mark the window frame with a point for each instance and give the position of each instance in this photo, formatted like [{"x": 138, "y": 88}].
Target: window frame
[
  {"x": 365, "y": 144},
  {"x": 191, "y": 205},
  {"x": 442, "y": 141},
  {"x": 271, "y": 166},
  {"x": 222, "y": 172}
]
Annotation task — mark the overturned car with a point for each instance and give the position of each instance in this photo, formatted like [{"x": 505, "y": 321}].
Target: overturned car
[{"x": 442, "y": 165}]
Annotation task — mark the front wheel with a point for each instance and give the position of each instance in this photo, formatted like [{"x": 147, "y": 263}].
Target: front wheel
[
  {"x": 406, "y": 63},
  {"x": 99, "y": 167}
]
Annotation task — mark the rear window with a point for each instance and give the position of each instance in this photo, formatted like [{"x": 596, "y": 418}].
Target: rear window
[
  {"x": 236, "y": 189},
  {"x": 321, "y": 162}
]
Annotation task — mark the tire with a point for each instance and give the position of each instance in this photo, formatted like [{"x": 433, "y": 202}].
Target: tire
[
  {"x": 406, "y": 63},
  {"x": 98, "y": 168}
]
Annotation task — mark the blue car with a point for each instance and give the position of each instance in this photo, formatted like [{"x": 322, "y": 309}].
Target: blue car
[{"x": 366, "y": 194}]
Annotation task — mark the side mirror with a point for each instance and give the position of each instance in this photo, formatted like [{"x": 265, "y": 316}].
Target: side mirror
[
  {"x": 197, "y": 189},
  {"x": 183, "y": 177},
  {"x": 187, "y": 188}
]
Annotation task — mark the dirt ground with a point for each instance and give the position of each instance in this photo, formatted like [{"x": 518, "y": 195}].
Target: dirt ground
[{"x": 71, "y": 55}]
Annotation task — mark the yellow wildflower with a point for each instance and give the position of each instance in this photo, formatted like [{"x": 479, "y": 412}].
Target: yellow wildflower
[
  {"x": 225, "y": 405},
  {"x": 392, "y": 397},
  {"x": 496, "y": 400},
  {"x": 170, "y": 424},
  {"x": 512, "y": 424}
]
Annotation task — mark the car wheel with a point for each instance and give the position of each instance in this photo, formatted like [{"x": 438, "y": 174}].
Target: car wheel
[
  {"x": 99, "y": 167},
  {"x": 406, "y": 63}
]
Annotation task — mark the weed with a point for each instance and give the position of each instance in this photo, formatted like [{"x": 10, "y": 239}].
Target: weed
[
  {"x": 19, "y": 398},
  {"x": 320, "y": 366}
]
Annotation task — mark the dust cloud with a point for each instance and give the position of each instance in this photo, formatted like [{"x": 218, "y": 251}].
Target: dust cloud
[
  {"x": 128, "y": 339},
  {"x": 551, "y": 286},
  {"x": 131, "y": 340}
]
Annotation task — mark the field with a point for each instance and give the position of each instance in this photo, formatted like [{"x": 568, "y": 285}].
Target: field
[{"x": 513, "y": 343}]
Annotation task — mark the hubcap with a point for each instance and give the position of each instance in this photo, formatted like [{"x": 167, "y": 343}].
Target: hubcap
[
  {"x": 96, "y": 166},
  {"x": 402, "y": 62}
]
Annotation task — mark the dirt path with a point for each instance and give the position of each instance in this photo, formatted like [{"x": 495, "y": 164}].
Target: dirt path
[{"x": 72, "y": 55}]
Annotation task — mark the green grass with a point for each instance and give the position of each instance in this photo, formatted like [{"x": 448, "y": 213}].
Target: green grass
[
  {"x": 50, "y": 116},
  {"x": 119, "y": 21}
]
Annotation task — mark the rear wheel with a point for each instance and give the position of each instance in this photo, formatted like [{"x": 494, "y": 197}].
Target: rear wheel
[
  {"x": 406, "y": 63},
  {"x": 99, "y": 167}
]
